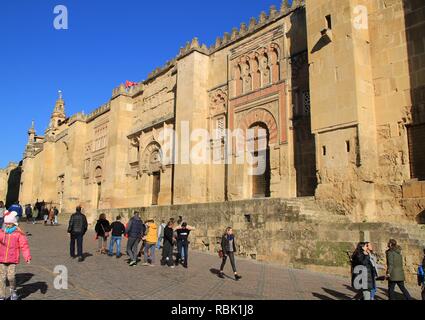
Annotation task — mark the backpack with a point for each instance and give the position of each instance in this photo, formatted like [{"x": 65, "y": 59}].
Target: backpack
[{"x": 421, "y": 275}]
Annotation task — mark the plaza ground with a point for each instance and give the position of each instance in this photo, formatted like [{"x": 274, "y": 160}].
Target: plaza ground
[{"x": 101, "y": 277}]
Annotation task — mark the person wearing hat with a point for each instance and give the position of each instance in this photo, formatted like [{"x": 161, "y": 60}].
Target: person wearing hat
[{"x": 12, "y": 242}]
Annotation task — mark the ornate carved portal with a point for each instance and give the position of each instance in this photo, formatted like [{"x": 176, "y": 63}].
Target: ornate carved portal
[
  {"x": 260, "y": 129},
  {"x": 151, "y": 159}
]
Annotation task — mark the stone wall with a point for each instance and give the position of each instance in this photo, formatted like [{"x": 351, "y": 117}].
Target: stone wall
[{"x": 296, "y": 233}]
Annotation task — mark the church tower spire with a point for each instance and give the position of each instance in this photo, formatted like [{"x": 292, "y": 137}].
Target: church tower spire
[
  {"x": 58, "y": 115},
  {"x": 31, "y": 133}
]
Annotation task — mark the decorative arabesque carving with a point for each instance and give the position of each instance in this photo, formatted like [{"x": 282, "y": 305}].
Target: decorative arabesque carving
[
  {"x": 218, "y": 101},
  {"x": 151, "y": 159},
  {"x": 257, "y": 69}
]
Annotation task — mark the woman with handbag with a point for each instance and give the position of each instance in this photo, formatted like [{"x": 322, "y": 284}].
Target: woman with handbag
[
  {"x": 228, "y": 249},
  {"x": 102, "y": 229}
]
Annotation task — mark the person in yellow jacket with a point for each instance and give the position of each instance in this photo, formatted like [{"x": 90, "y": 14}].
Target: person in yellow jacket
[{"x": 151, "y": 239}]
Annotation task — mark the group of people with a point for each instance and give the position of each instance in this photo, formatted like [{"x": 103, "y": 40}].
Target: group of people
[
  {"x": 13, "y": 242},
  {"x": 150, "y": 235},
  {"x": 43, "y": 211},
  {"x": 40, "y": 211},
  {"x": 169, "y": 236},
  {"x": 365, "y": 257}
]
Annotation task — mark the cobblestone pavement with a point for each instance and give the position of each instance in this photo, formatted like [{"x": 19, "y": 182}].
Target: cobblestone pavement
[{"x": 103, "y": 277}]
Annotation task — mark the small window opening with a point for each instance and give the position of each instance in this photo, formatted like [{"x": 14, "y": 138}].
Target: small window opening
[
  {"x": 324, "y": 150},
  {"x": 347, "y": 145},
  {"x": 247, "y": 218}
]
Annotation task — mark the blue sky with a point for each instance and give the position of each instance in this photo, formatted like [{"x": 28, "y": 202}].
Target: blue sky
[{"x": 107, "y": 43}]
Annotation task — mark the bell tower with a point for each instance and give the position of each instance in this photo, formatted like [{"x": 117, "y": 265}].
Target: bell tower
[
  {"x": 58, "y": 115},
  {"x": 31, "y": 133}
]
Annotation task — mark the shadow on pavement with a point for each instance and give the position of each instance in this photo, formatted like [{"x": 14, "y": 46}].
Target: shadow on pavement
[
  {"x": 335, "y": 295},
  {"x": 217, "y": 272},
  {"x": 87, "y": 255},
  {"x": 25, "y": 290},
  {"x": 397, "y": 295}
]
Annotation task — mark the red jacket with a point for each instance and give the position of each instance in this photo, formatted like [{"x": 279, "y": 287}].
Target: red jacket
[{"x": 11, "y": 245}]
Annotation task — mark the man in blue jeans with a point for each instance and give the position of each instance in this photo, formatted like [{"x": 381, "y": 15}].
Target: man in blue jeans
[
  {"x": 118, "y": 230},
  {"x": 183, "y": 243},
  {"x": 77, "y": 228}
]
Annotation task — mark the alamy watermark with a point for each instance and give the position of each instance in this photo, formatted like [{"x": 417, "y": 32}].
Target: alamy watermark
[
  {"x": 361, "y": 19},
  {"x": 60, "y": 281},
  {"x": 60, "y": 21},
  {"x": 224, "y": 146},
  {"x": 360, "y": 278}
]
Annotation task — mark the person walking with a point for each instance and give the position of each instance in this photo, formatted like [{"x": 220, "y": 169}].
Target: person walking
[
  {"x": 183, "y": 243},
  {"x": 151, "y": 239},
  {"x": 16, "y": 207},
  {"x": 77, "y": 228},
  {"x": 376, "y": 267},
  {"x": 361, "y": 258},
  {"x": 28, "y": 214},
  {"x": 56, "y": 213},
  {"x": 228, "y": 249},
  {"x": 13, "y": 242},
  {"x": 51, "y": 215},
  {"x": 38, "y": 209},
  {"x": 179, "y": 224},
  {"x": 135, "y": 231},
  {"x": 395, "y": 271},
  {"x": 117, "y": 230},
  {"x": 2, "y": 211},
  {"x": 161, "y": 234},
  {"x": 45, "y": 211},
  {"x": 102, "y": 229},
  {"x": 168, "y": 245}
]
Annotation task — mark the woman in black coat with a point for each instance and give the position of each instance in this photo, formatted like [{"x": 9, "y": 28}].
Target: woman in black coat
[
  {"x": 363, "y": 269},
  {"x": 102, "y": 229},
  {"x": 168, "y": 245},
  {"x": 228, "y": 249}
]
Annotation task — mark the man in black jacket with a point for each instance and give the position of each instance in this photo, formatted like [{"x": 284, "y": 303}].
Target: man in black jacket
[
  {"x": 77, "y": 229},
  {"x": 135, "y": 231}
]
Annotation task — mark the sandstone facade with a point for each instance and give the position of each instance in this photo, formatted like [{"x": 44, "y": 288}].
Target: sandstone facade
[
  {"x": 337, "y": 84},
  {"x": 10, "y": 178}
]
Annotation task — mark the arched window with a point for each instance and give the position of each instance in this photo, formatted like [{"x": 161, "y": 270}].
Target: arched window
[
  {"x": 257, "y": 74},
  {"x": 246, "y": 77},
  {"x": 274, "y": 61},
  {"x": 238, "y": 80},
  {"x": 265, "y": 70}
]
